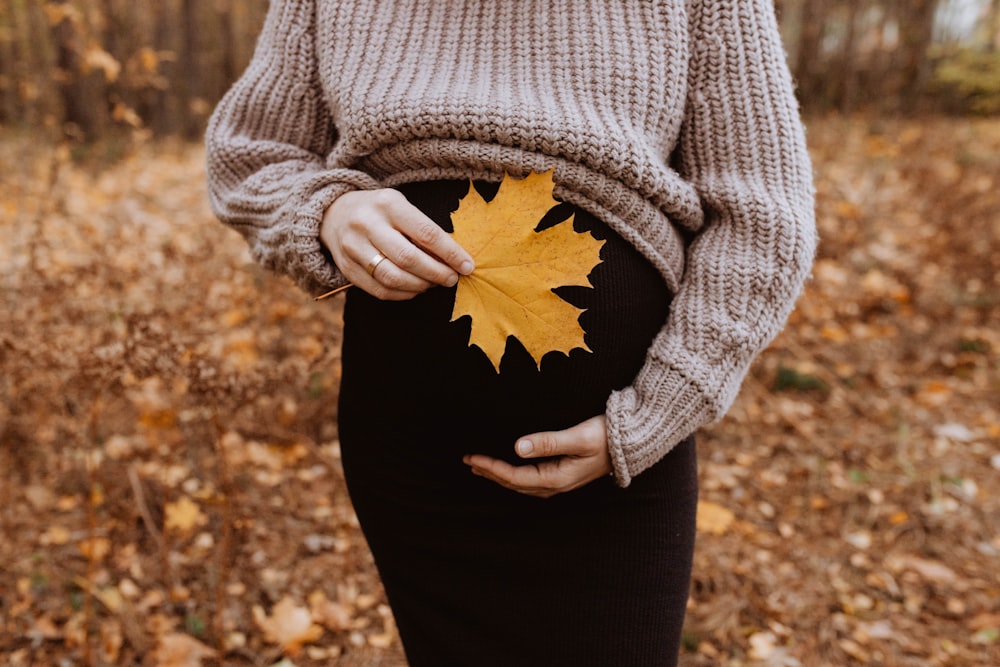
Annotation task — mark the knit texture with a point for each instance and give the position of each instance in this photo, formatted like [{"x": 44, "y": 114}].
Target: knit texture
[{"x": 673, "y": 121}]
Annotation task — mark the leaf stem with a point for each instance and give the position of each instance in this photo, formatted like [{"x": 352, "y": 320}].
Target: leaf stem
[{"x": 333, "y": 292}]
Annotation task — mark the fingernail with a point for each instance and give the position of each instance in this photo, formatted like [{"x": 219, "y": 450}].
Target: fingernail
[
  {"x": 451, "y": 281},
  {"x": 466, "y": 268},
  {"x": 525, "y": 447}
]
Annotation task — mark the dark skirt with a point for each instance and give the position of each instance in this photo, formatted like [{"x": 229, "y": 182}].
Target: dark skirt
[{"x": 478, "y": 575}]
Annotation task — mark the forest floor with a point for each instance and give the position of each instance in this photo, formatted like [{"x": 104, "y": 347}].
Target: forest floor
[{"x": 170, "y": 486}]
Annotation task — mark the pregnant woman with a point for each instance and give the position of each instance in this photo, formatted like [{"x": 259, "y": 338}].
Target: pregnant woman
[{"x": 539, "y": 514}]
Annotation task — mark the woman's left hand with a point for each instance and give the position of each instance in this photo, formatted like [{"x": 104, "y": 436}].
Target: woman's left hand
[{"x": 582, "y": 456}]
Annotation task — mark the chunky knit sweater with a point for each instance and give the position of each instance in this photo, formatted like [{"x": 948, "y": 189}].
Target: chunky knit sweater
[{"x": 672, "y": 120}]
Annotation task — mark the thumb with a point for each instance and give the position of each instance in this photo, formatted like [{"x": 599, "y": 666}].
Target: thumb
[
  {"x": 570, "y": 442},
  {"x": 539, "y": 445}
]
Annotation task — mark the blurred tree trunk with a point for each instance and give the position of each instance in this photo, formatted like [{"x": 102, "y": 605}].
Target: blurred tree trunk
[
  {"x": 190, "y": 83},
  {"x": 79, "y": 115},
  {"x": 36, "y": 89},
  {"x": 807, "y": 64},
  {"x": 849, "y": 66},
  {"x": 227, "y": 36},
  {"x": 114, "y": 38},
  {"x": 8, "y": 74},
  {"x": 916, "y": 31},
  {"x": 164, "y": 112},
  {"x": 994, "y": 26},
  {"x": 790, "y": 18}
]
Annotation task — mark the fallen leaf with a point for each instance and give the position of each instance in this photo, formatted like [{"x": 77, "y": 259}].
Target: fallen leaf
[
  {"x": 899, "y": 518},
  {"x": 323, "y": 653},
  {"x": 95, "y": 548},
  {"x": 867, "y": 631},
  {"x": 40, "y": 497},
  {"x": 75, "y": 631},
  {"x": 385, "y": 638},
  {"x": 855, "y": 650},
  {"x": 183, "y": 515},
  {"x": 986, "y": 636},
  {"x": 934, "y": 393},
  {"x": 177, "y": 649},
  {"x": 861, "y": 539},
  {"x": 289, "y": 625},
  {"x": 984, "y": 621},
  {"x": 55, "y": 535},
  {"x": 713, "y": 518},
  {"x": 67, "y": 503},
  {"x": 110, "y": 597},
  {"x": 927, "y": 569},
  {"x": 834, "y": 333},
  {"x": 112, "y": 640},
  {"x": 954, "y": 431},
  {"x": 332, "y": 615},
  {"x": 43, "y": 628},
  {"x": 848, "y": 209},
  {"x": 762, "y": 645},
  {"x": 510, "y": 292}
]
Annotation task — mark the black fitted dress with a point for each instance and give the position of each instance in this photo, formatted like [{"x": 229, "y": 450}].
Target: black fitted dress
[{"x": 478, "y": 575}]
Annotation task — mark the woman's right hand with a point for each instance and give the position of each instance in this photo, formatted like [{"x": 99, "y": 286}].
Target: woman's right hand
[{"x": 362, "y": 226}]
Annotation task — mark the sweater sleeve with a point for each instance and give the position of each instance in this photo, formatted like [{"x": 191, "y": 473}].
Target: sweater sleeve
[
  {"x": 267, "y": 143},
  {"x": 742, "y": 146}
]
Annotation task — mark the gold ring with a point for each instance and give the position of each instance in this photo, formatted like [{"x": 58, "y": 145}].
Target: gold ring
[{"x": 373, "y": 264}]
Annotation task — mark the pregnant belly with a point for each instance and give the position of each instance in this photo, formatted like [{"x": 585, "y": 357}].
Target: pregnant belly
[{"x": 406, "y": 363}]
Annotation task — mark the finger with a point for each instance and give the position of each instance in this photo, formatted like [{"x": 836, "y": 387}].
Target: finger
[
  {"x": 375, "y": 282},
  {"x": 410, "y": 260},
  {"x": 382, "y": 270},
  {"x": 542, "y": 480},
  {"x": 380, "y": 291},
  {"x": 538, "y": 492},
  {"x": 358, "y": 277},
  {"x": 526, "y": 476},
  {"x": 359, "y": 261},
  {"x": 428, "y": 236},
  {"x": 359, "y": 221},
  {"x": 581, "y": 440}
]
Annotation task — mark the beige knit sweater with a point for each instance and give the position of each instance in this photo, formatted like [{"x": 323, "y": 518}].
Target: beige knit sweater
[{"x": 668, "y": 119}]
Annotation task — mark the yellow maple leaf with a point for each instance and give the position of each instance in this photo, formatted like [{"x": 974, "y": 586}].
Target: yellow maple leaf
[{"x": 510, "y": 292}]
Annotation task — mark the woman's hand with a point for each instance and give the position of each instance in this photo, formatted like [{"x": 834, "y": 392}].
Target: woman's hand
[
  {"x": 582, "y": 453},
  {"x": 387, "y": 247}
]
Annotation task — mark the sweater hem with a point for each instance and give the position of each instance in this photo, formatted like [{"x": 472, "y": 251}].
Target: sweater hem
[{"x": 651, "y": 230}]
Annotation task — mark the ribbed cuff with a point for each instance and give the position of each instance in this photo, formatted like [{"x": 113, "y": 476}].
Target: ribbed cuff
[
  {"x": 315, "y": 271},
  {"x": 647, "y": 419}
]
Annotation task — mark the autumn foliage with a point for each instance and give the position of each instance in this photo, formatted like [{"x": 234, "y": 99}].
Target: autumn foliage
[{"x": 170, "y": 486}]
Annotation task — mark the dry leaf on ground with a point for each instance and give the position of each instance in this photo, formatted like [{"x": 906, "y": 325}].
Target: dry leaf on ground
[
  {"x": 177, "y": 649},
  {"x": 183, "y": 515},
  {"x": 713, "y": 518},
  {"x": 289, "y": 625}
]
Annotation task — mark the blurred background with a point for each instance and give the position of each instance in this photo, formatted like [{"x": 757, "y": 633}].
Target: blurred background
[
  {"x": 89, "y": 67},
  {"x": 170, "y": 485}
]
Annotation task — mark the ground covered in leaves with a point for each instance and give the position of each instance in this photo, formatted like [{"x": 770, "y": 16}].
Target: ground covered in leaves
[{"x": 170, "y": 488}]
